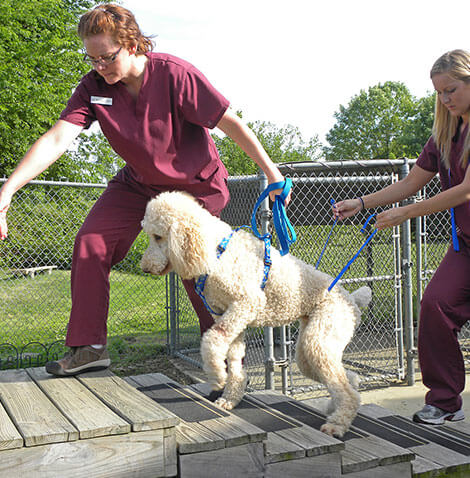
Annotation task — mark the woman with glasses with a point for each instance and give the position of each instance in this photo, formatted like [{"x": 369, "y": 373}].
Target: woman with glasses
[
  {"x": 155, "y": 110},
  {"x": 445, "y": 306}
]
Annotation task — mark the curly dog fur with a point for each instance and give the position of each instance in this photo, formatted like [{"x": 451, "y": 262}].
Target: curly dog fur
[{"x": 183, "y": 237}]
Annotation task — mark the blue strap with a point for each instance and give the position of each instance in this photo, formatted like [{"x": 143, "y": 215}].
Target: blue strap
[
  {"x": 455, "y": 239},
  {"x": 284, "y": 230},
  {"x": 332, "y": 202},
  {"x": 199, "y": 287},
  {"x": 223, "y": 243},
  {"x": 346, "y": 267},
  {"x": 267, "y": 260}
]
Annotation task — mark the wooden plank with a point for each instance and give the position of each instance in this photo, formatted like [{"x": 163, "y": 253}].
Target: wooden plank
[
  {"x": 135, "y": 407},
  {"x": 400, "y": 470},
  {"x": 372, "y": 410},
  {"x": 423, "y": 466},
  {"x": 170, "y": 458},
  {"x": 278, "y": 449},
  {"x": 9, "y": 435},
  {"x": 85, "y": 411},
  {"x": 363, "y": 453},
  {"x": 231, "y": 428},
  {"x": 190, "y": 437},
  {"x": 34, "y": 415},
  {"x": 313, "y": 441},
  {"x": 441, "y": 455},
  {"x": 324, "y": 466},
  {"x": 355, "y": 458},
  {"x": 236, "y": 462},
  {"x": 119, "y": 456}
]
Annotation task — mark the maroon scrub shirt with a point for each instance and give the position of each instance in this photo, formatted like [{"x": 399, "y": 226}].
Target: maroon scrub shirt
[{"x": 163, "y": 138}]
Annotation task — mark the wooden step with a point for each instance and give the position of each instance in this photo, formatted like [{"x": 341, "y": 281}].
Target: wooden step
[
  {"x": 96, "y": 424},
  {"x": 359, "y": 452},
  {"x": 438, "y": 449},
  {"x": 210, "y": 441}
]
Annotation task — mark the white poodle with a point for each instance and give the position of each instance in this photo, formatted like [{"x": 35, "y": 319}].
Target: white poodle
[{"x": 183, "y": 237}]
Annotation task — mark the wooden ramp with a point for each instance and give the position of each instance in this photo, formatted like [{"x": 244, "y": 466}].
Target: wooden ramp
[
  {"x": 150, "y": 426},
  {"x": 94, "y": 425},
  {"x": 379, "y": 444}
]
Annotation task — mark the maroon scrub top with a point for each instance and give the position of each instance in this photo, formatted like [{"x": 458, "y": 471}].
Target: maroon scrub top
[
  {"x": 162, "y": 136},
  {"x": 430, "y": 160}
]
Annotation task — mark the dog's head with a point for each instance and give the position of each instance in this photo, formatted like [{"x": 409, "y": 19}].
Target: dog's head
[{"x": 174, "y": 223}]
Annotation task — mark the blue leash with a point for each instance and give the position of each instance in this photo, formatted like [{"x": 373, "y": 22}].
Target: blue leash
[
  {"x": 284, "y": 230},
  {"x": 348, "y": 265}
]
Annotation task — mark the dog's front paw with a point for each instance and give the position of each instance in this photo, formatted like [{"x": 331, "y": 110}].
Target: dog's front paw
[
  {"x": 217, "y": 381},
  {"x": 224, "y": 403},
  {"x": 333, "y": 429}
]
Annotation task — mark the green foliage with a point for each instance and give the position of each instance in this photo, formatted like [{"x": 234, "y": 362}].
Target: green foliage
[
  {"x": 283, "y": 145},
  {"x": 40, "y": 63},
  {"x": 93, "y": 161},
  {"x": 385, "y": 122}
]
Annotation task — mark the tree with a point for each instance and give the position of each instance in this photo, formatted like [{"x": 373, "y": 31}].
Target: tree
[
  {"x": 91, "y": 161},
  {"x": 283, "y": 145},
  {"x": 385, "y": 122},
  {"x": 40, "y": 63}
]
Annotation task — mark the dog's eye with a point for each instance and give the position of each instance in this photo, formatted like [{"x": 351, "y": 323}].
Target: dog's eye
[{"x": 157, "y": 238}]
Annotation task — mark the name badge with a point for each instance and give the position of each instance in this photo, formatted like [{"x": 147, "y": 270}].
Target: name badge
[{"x": 101, "y": 100}]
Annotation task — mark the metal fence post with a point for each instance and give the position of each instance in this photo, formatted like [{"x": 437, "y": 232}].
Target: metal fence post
[
  {"x": 172, "y": 313},
  {"x": 269, "y": 359},
  {"x": 408, "y": 289}
]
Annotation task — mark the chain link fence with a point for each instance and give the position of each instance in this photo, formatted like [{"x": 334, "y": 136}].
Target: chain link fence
[
  {"x": 35, "y": 302},
  {"x": 148, "y": 312},
  {"x": 396, "y": 264}
]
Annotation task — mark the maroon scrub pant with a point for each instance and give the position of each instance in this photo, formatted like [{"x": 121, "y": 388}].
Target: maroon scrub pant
[
  {"x": 104, "y": 240},
  {"x": 445, "y": 308}
]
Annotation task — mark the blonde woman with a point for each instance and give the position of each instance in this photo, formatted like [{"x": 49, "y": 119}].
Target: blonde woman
[
  {"x": 445, "y": 306},
  {"x": 155, "y": 110}
]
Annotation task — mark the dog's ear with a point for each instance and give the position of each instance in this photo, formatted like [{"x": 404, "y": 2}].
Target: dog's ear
[{"x": 187, "y": 249}]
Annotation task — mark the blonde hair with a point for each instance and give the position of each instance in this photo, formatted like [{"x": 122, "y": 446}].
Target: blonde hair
[
  {"x": 118, "y": 22},
  {"x": 456, "y": 64}
]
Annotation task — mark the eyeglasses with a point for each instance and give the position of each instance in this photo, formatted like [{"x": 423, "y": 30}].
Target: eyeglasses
[{"x": 102, "y": 60}]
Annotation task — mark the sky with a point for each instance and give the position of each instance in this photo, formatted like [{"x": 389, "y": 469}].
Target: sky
[{"x": 296, "y": 61}]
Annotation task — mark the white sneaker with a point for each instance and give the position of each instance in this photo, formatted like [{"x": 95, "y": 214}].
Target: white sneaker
[{"x": 435, "y": 416}]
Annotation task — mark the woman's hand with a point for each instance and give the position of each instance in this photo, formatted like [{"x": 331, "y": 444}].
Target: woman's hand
[
  {"x": 347, "y": 208},
  {"x": 277, "y": 192},
  {"x": 5, "y": 201},
  {"x": 391, "y": 217}
]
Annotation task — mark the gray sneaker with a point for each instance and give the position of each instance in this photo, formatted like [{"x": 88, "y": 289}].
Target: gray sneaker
[
  {"x": 79, "y": 360},
  {"x": 435, "y": 416}
]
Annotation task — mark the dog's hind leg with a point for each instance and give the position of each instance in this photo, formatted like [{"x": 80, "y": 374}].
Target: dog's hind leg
[
  {"x": 236, "y": 379},
  {"x": 345, "y": 400},
  {"x": 320, "y": 350}
]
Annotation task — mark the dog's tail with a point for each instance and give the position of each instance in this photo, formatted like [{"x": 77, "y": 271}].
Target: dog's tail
[{"x": 362, "y": 296}]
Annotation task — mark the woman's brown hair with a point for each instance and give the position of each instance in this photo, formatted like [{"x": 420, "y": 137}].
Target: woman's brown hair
[{"x": 118, "y": 22}]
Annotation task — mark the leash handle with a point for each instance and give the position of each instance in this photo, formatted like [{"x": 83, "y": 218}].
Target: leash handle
[
  {"x": 346, "y": 267},
  {"x": 284, "y": 230}
]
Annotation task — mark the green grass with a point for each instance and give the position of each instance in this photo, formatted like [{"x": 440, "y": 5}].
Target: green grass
[{"x": 38, "y": 309}]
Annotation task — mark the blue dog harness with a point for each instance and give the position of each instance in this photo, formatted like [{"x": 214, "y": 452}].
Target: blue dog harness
[{"x": 284, "y": 230}]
